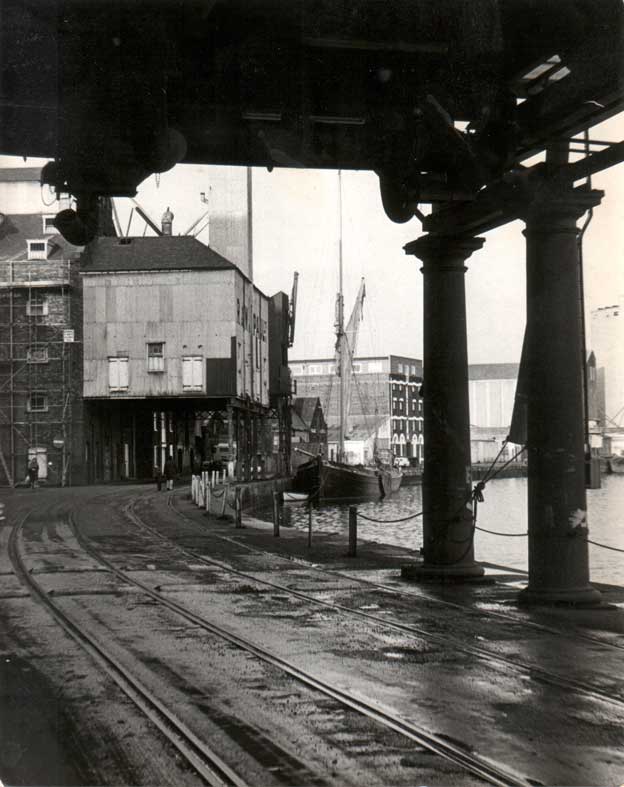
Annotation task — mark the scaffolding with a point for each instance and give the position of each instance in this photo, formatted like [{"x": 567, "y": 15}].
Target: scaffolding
[{"x": 36, "y": 359}]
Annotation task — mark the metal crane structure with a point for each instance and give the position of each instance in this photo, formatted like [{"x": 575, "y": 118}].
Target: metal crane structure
[
  {"x": 439, "y": 97},
  {"x": 445, "y": 100}
]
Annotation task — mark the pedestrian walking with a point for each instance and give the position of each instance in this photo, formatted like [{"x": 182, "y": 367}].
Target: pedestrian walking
[
  {"x": 33, "y": 473},
  {"x": 157, "y": 477},
  {"x": 170, "y": 472}
]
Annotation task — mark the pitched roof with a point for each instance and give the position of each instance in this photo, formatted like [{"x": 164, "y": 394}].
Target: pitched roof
[
  {"x": 15, "y": 230},
  {"x": 493, "y": 371},
  {"x": 305, "y": 406},
  {"x": 20, "y": 174},
  {"x": 166, "y": 252},
  {"x": 297, "y": 424}
]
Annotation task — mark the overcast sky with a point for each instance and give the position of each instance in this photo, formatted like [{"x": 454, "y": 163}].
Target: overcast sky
[{"x": 296, "y": 227}]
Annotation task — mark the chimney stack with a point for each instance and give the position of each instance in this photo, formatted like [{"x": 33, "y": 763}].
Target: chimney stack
[{"x": 166, "y": 222}]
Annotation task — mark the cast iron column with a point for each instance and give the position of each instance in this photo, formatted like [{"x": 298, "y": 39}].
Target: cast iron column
[
  {"x": 557, "y": 507},
  {"x": 447, "y": 504}
]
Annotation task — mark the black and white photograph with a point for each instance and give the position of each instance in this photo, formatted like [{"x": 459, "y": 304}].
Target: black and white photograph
[{"x": 311, "y": 393}]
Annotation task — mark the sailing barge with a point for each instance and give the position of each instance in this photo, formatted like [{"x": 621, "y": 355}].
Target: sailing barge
[{"x": 329, "y": 479}]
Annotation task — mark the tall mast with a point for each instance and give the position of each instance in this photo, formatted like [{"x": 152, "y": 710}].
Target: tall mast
[{"x": 340, "y": 348}]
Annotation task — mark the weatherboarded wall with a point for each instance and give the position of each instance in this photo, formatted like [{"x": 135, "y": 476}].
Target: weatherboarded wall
[{"x": 212, "y": 314}]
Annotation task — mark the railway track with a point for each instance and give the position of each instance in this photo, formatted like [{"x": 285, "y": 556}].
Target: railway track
[
  {"x": 545, "y": 676},
  {"x": 574, "y": 633},
  {"x": 473, "y": 763},
  {"x": 196, "y": 753}
]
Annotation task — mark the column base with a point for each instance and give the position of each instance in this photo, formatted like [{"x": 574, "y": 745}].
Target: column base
[
  {"x": 430, "y": 572},
  {"x": 574, "y": 597}
]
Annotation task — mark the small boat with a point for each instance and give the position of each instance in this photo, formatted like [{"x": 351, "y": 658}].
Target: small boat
[
  {"x": 336, "y": 479},
  {"x": 295, "y": 497}
]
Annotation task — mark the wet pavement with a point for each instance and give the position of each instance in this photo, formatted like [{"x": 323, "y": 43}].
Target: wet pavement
[{"x": 537, "y": 692}]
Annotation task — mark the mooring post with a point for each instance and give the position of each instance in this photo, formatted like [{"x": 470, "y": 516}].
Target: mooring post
[
  {"x": 238, "y": 507},
  {"x": 352, "y": 531},
  {"x": 276, "y": 515}
]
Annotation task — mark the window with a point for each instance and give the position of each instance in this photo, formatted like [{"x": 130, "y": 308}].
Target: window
[
  {"x": 37, "y": 249},
  {"x": 413, "y": 371},
  {"x": 118, "y": 374},
  {"x": 37, "y": 354},
  {"x": 37, "y": 305},
  {"x": 48, "y": 225},
  {"x": 192, "y": 373},
  {"x": 37, "y": 402},
  {"x": 156, "y": 357},
  {"x": 357, "y": 368},
  {"x": 374, "y": 366}
]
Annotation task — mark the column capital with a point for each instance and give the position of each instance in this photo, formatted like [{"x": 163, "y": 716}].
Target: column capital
[
  {"x": 553, "y": 205},
  {"x": 443, "y": 251}
]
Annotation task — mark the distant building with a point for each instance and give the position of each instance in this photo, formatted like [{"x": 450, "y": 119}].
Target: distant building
[
  {"x": 40, "y": 339},
  {"x": 607, "y": 332},
  {"x": 492, "y": 389},
  {"x": 386, "y": 408},
  {"x": 176, "y": 360}
]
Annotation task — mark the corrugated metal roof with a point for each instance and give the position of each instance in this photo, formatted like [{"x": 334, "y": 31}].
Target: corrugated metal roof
[
  {"x": 20, "y": 174},
  {"x": 15, "y": 230},
  {"x": 168, "y": 252},
  {"x": 493, "y": 371}
]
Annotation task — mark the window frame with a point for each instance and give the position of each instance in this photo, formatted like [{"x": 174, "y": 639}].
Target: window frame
[
  {"x": 155, "y": 361},
  {"x": 50, "y": 230},
  {"x": 44, "y": 408},
  {"x": 42, "y": 348},
  {"x": 37, "y": 299},
  {"x": 38, "y": 254}
]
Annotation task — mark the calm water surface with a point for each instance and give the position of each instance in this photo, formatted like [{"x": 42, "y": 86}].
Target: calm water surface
[{"x": 504, "y": 510}]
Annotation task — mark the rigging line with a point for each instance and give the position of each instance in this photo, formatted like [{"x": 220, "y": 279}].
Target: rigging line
[{"x": 357, "y": 385}]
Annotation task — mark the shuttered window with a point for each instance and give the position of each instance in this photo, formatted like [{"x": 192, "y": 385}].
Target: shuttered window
[
  {"x": 192, "y": 373},
  {"x": 118, "y": 374}
]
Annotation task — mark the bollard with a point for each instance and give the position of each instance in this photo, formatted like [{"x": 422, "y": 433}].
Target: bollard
[
  {"x": 193, "y": 488},
  {"x": 309, "y": 525},
  {"x": 352, "y": 531},
  {"x": 238, "y": 508},
  {"x": 224, "y": 500},
  {"x": 208, "y": 497},
  {"x": 276, "y": 514}
]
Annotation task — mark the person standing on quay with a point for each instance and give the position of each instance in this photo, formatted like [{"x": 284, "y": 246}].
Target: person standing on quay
[
  {"x": 33, "y": 473},
  {"x": 170, "y": 472}
]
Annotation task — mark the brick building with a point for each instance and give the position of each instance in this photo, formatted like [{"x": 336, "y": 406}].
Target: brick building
[
  {"x": 386, "y": 408},
  {"x": 40, "y": 341}
]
